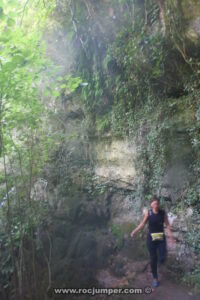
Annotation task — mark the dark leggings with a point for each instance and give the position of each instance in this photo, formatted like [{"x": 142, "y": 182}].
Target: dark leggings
[{"x": 162, "y": 250}]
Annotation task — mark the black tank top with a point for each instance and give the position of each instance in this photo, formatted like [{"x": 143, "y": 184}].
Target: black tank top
[{"x": 156, "y": 221}]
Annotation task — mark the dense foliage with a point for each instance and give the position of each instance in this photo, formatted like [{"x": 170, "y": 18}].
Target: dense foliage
[{"x": 29, "y": 87}]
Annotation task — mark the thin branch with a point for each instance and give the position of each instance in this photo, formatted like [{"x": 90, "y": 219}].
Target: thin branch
[
  {"x": 162, "y": 15},
  {"x": 10, "y": 230},
  {"x": 88, "y": 8},
  {"x": 74, "y": 22},
  {"x": 91, "y": 13},
  {"x": 26, "y": 3},
  {"x": 21, "y": 258},
  {"x": 145, "y": 12},
  {"x": 48, "y": 261}
]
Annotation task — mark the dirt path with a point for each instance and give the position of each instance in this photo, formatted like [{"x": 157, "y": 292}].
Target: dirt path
[
  {"x": 138, "y": 275},
  {"x": 168, "y": 290}
]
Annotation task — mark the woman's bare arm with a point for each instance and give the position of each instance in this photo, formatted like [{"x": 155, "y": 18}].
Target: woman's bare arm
[{"x": 141, "y": 225}]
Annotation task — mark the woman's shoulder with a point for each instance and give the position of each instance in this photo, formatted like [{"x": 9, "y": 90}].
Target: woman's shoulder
[
  {"x": 149, "y": 211},
  {"x": 162, "y": 210}
]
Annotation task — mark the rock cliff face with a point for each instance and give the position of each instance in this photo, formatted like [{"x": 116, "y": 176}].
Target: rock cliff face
[
  {"x": 123, "y": 170},
  {"x": 114, "y": 164}
]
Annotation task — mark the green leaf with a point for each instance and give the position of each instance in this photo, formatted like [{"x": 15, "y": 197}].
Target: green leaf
[
  {"x": 63, "y": 86},
  {"x": 10, "y": 22},
  {"x": 55, "y": 94}
]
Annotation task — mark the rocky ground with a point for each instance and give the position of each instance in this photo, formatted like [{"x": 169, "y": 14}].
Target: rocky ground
[{"x": 138, "y": 275}]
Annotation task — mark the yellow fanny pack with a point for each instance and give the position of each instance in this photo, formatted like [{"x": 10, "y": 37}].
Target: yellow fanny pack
[{"x": 158, "y": 236}]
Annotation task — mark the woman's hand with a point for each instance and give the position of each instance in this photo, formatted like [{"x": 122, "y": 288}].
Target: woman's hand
[
  {"x": 141, "y": 225},
  {"x": 172, "y": 241},
  {"x": 133, "y": 233}
]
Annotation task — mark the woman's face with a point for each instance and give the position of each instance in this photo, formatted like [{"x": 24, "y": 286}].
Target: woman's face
[{"x": 155, "y": 204}]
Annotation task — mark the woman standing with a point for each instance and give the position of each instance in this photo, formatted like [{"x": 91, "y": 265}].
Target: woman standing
[{"x": 156, "y": 239}]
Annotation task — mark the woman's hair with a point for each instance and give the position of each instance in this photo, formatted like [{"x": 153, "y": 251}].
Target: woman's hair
[{"x": 155, "y": 198}]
